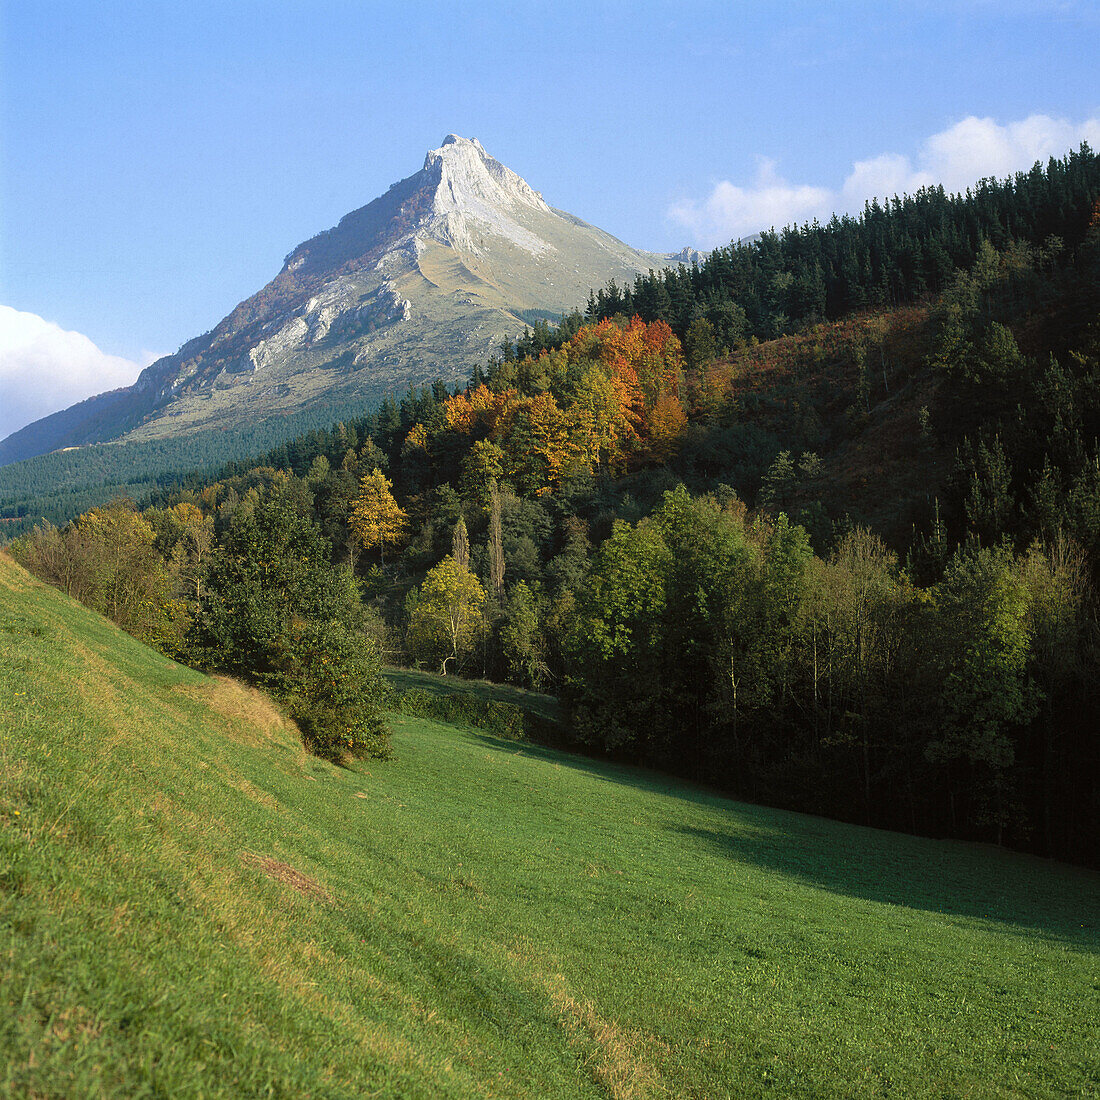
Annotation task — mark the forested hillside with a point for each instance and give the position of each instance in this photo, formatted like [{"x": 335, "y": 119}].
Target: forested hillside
[
  {"x": 890, "y": 255},
  {"x": 852, "y": 569},
  {"x": 62, "y": 484}
]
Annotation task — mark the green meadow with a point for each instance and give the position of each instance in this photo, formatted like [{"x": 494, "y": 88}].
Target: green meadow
[{"x": 192, "y": 906}]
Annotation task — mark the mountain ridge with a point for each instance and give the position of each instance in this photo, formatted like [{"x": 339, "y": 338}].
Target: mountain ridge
[{"x": 420, "y": 283}]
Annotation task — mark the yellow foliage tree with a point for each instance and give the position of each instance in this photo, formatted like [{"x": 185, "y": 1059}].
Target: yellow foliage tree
[
  {"x": 194, "y": 544},
  {"x": 446, "y": 622},
  {"x": 376, "y": 518},
  {"x": 665, "y": 421}
]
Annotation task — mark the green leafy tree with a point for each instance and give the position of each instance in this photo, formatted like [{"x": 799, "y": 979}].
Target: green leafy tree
[
  {"x": 700, "y": 344},
  {"x": 521, "y": 641},
  {"x": 277, "y": 612},
  {"x": 271, "y": 568},
  {"x": 447, "y": 621},
  {"x": 713, "y": 564},
  {"x": 482, "y": 469},
  {"x": 778, "y": 482},
  {"x": 616, "y": 637},
  {"x": 987, "y": 693},
  {"x": 333, "y": 687}
]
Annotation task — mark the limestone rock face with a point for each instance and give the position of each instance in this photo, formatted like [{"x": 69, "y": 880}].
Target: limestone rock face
[
  {"x": 476, "y": 195},
  {"x": 424, "y": 282}
]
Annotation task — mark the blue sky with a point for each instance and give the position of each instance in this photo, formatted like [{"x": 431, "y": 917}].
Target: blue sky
[{"x": 158, "y": 159}]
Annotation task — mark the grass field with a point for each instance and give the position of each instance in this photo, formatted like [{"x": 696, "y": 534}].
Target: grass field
[{"x": 191, "y": 906}]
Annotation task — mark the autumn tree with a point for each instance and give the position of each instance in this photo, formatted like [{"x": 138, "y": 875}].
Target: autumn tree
[
  {"x": 376, "y": 518},
  {"x": 185, "y": 539},
  {"x": 107, "y": 559},
  {"x": 664, "y": 423}
]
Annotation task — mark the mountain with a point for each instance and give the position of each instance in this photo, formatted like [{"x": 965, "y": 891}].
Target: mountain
[{"x": 422, "y": 283}]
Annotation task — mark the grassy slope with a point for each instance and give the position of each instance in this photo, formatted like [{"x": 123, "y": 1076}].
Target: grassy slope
[
  {"x": 546, "y": 706},
  {"x": 477, "y": 919}
]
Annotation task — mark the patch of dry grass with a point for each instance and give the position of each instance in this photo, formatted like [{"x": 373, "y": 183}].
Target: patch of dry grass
[
  {"x": 252, "y": 718},
  {"x": 283, "y": 872}
]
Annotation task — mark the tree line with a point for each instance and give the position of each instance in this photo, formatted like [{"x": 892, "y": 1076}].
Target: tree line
[
  {"x": 893, "y": 253},
  {"x": 253, "y": 593}
]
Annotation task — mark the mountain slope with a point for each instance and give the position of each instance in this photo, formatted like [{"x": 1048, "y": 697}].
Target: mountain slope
[
  {"x": 421, "y": 283},
  {"x": 190, "y": 905}
]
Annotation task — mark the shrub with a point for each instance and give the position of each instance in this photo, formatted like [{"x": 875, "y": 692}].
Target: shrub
[
  {"x": 502, "y": 719},
  {"x": 335, "y": 688}
]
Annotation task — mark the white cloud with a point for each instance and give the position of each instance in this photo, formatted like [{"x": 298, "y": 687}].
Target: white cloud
[
  {"x": 976, "y": 148},
  {"x": 972, "y": 149},
  {"x": 889, "y": 174},
  {"x": 44, "y": 368},
  {"x": 730, "y": 212}
]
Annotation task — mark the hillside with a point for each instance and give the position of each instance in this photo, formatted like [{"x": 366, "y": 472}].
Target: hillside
[
  {"x": 478, "y": 255},
  {"x": 422, "y": 283},
  {"x": 191, "y": 905},
  {"x": 850, "y": 392}
]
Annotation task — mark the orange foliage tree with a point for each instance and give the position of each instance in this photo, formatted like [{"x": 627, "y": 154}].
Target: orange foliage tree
[{"x": 610, "y": 396}]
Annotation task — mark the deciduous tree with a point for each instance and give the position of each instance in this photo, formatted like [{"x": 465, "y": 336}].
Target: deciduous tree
[
  {"x": 376, "y": 518},
  {"x": 446, "y": 619}
]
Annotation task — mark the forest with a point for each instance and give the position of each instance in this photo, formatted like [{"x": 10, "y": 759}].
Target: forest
[
  {"x": 61, "y": 484},
  {"x": 645, "y": 510},
  {"x": 892, "y": 254}
]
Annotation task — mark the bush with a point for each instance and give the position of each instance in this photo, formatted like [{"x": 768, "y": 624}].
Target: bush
[
  {"x": 505, "y": 720},
  {"x": 335, "y": 690}
]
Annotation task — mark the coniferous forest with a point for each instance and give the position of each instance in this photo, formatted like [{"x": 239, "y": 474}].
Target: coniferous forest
[{"x": 816, "y": 522}]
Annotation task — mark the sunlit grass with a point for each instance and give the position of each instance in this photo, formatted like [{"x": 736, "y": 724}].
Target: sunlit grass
[{"x": 190, "y": 905}]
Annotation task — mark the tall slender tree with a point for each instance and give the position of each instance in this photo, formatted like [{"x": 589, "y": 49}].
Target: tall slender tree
[
  {"x": 460, "y": 544},
  {"x": 496, "y": 545}
]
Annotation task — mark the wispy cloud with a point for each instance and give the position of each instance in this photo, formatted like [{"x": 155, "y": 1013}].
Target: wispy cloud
[
  {"x": 972, "y": 149},
  {"x": 44, "y": 368}
]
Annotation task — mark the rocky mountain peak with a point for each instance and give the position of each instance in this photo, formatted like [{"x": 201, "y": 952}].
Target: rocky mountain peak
[
  {"x": 471, "y": 174},
  {"x": 474, "y": 193}
]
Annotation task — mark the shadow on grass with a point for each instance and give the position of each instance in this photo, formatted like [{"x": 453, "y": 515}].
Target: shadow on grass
[
  {"x": 949, "y": 877},
  {"x": 952, "y": 878}
]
